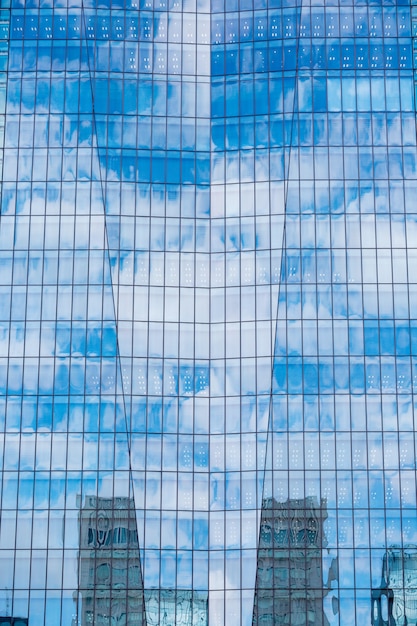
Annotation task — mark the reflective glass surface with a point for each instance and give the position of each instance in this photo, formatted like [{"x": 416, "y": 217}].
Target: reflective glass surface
[{"x": 208, "y": 344}]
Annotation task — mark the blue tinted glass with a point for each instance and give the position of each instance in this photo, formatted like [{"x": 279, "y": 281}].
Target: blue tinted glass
[{"x": 207, "y": 243}]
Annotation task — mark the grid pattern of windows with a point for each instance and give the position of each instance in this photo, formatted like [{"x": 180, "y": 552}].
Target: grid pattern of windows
[{"x": 208, "y": 252}]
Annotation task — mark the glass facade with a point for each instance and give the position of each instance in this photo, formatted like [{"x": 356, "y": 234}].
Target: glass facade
[{"x": 208, "y": 296}]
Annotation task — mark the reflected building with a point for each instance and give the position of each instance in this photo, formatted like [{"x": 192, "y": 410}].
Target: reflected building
[
  {"x": 394, "y": 603},
  {"x": 110, "y": 591},
  {"x": 289, "y": 582},
  {"x": 165, "y": 607}
]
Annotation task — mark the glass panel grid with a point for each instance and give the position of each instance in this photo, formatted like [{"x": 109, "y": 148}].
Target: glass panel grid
[{"x": 206, "y": 312}]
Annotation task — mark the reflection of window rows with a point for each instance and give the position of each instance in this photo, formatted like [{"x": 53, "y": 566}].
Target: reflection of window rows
[
  {"x": 250, "y": 28},
  {"x": 248, "y": 456},
  {"x": 202, "y": 456},
  {"x": 173, "y": 381},
  {"x": 248, "y": 499},
  {"x": 289, "y": 561},
  {"x": 407, "y": 455},
  {"x": 187, "y": 456},
  {"x": 409, "y": 530},
  {"x": 342, "y": 495},
  {"x": 180, "y": 607},
  {"x": 359, "y": 496},
  {"x": 109, "y": 571}
]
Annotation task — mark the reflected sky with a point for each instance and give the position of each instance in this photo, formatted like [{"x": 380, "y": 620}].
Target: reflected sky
[{"x": 206, "y": 238}]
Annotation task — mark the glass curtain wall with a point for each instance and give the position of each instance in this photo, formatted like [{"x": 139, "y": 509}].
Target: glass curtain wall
[{"x": 207, "y": 340}]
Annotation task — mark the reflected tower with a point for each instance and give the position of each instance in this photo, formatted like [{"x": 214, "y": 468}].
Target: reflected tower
[
  {"x": 110, "y": 578},
  {"x": 395, "y": 602},
  {"x": 289, "y": 583}
]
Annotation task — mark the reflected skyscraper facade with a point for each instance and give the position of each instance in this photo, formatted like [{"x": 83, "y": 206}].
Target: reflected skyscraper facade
[
  {"x": 110, "y": 585},
  {"x": 395, "y": 602},
  {"x": 290, "y": 581},
  {"x": 208, "y": 250}
]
